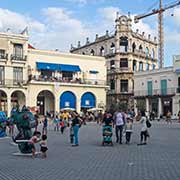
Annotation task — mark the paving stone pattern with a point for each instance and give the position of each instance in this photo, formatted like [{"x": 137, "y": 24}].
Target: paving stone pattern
[{"x": 159, "y": 160}]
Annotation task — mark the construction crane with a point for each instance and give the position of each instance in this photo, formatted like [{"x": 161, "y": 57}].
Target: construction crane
[{"x": 160, "y": 12}]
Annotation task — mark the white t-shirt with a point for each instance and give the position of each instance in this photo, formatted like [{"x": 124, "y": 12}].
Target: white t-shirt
[
  {"x": 143, "y": 122},
  {"x": 119, "y": 119}
]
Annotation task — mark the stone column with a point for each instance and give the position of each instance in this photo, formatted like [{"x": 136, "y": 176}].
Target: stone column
[
  {"x": 8, "y": 105},
  {"x": 147, "y": 105},
  {"x": 159, "y": 106},
  {"x": 78, "y": 104},
  {"x": 135, "y": 106}
]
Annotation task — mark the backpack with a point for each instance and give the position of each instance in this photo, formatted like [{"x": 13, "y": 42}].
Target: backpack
[{"x": 148, "y": 124}]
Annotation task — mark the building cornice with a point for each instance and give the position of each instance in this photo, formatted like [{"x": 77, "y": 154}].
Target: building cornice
[{"x": 65, "y": 55}]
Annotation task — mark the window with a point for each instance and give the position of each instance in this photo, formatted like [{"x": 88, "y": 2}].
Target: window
[
  {"x": 112, "y": 85},
  {"x": 147, "y": 67},
  {"x": 112, "y": 49},
  {"x": 46, "y": 73},
  {"x": 112, "y": 64},
  {"x": 140, "y": 66},
  {"x": 134, "y": 65},
  {"x": 123, "y": 44},
  {"x": 133, "y": 47},
  {"x": 123, "y": 63},
  {"x": 67, "y": 76},
  {"x": 163, "y": 86},
  {"x": 147, "y": 52},
  {"x": 17, "y": 75},
  {"x": 92, "y": 52},
  {"x": 18, "y": 51},
  {"x": 140, "y": 48},
  {"x": 2, "y": 54},
  {"x": 102, "y": 51},
  {"x": 124, "y": 85},
  {"x": 1, "y": 75},
  {"x": 149, "y": 86}
]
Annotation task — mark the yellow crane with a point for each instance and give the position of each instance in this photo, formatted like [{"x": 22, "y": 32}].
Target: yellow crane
[{"x": 160, "y": 12}]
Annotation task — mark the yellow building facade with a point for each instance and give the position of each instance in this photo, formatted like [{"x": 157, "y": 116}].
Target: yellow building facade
[{"x": 50, "y": 80}]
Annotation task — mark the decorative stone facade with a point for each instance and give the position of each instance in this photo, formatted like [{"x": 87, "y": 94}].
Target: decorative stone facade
[{"x": 125, "y": 52}]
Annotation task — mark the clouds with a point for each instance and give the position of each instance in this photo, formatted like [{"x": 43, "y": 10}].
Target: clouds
[{"x": 16, "y": 21}]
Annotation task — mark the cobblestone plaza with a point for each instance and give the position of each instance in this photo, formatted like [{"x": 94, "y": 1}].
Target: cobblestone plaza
[{"x": 90, "y": 161}]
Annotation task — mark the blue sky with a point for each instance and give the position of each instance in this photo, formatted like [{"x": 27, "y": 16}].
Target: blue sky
[{"x": 55, "y": 24}]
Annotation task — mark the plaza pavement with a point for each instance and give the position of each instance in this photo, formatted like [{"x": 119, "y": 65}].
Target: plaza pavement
[{"x": 159, "y": 160}]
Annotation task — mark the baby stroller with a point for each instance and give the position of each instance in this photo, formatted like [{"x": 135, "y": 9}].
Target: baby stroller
[{"x": 107, "y": 135}]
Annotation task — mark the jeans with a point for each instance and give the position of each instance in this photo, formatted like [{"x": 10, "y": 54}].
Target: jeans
[
  {"x": 119, "y": 137},
  {"x": 76, "y": 130},
  {"x": 144, "y": 136},
  {"x": 128, "y": 137}
]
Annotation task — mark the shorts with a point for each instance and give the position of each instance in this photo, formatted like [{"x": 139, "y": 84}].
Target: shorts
[{"x": 44, "y": 149}]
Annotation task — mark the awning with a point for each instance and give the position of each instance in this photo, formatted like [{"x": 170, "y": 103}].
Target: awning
[
  {"x": 69, "y": 68},
  {"x": 177, "y": 71},
  {"x": 47, "y": 66},
  {"x": 93, "y": 71},
  {"x": 57, "y": 67}
]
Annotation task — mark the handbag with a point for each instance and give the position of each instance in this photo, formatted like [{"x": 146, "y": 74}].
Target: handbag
[{"x": 148, "y": 124}]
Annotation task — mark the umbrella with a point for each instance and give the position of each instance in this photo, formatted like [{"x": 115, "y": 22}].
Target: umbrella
[
  {"x": 67, "y": 109},
  {"x": 95, "y": 109}
]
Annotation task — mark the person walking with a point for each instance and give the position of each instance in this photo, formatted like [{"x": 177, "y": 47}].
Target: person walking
[
  {"x": 144, "y": 129},
  {"x": 119, "y": 121},
  {"x": 56, "y": 123},
  {"x": 168, "y": 117},
  {"x": 45, "y": 125},
  {"x": 76, "y": 124},
  {"x": 128, "y": 129}
]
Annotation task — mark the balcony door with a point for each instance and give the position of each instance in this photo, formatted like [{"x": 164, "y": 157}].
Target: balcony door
[
  {"x": 149, "y": 86},
  {"x": 163, "y": 87}
]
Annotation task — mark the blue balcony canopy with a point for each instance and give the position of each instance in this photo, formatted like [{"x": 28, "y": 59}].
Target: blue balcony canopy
[
  {"x": 47, "y": 66},
  {"x": 93, "y": 71},
  {"x": 57, "y": 67},
  {"x": 177, "y": 71},
  {"x": 69, "y": 68}
]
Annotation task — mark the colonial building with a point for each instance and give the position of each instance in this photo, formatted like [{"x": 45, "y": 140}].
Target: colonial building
[
  {"x": 126, "y": 52},
  {"x": 158, "y": 90},
  {"x": 155, "y": 90},
  {"x": 50, "y": 80}
]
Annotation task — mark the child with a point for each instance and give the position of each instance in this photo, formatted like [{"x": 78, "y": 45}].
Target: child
[
  {"x": 71, "y": 134},
  {"x": 128, "y": 130},
  {"x": 62, "y": 126},
  {"x": 34, "y": 139},
  {"x": 43, "y": 145}
]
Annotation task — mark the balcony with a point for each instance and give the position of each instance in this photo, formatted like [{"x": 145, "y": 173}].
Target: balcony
[
  {"x": 68, "y": 80},
  {"x": 120, "y": 70},
  {"x": 143, "y": 54},
  {"x": 12, "y": 83},
  {"x": 3, "y": 57},
  {"x": 156, "y": 92},
  {"x": 15, "y": 58}
]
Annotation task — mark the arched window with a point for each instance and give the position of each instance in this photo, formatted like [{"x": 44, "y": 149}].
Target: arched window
[
  {"x": 92, "y": 52},
  {"x": 123, "y": 44},
  {"x": 102, "y": 51},
  {"x": 134, "y": 65},
  {"x": 147, "y": 67},
  {"x": 112, "y": 48},
  {"x": 140, "y": 48},
  {"x": 147, "y": 51},
  {"x": 153, "y": 54},
  {"x": 140, "y": 66},
  {"x": 133, "y": 47}
]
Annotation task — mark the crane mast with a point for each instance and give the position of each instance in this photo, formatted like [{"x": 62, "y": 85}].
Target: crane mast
[{"x": 160, "y": 12}]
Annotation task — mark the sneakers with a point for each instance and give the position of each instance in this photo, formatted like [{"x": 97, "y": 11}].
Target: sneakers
[{"x": 75, "y": 145}]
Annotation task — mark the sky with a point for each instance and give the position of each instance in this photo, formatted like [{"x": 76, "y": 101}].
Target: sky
[{"x": 56, "y": 24}]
